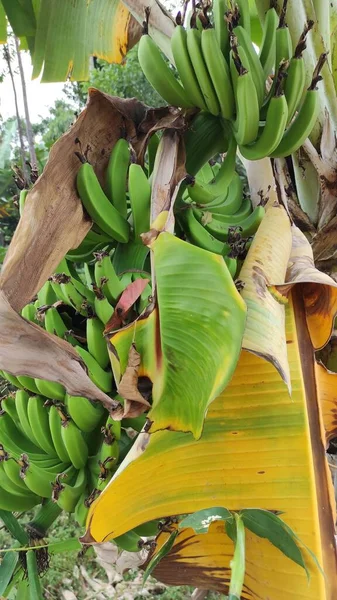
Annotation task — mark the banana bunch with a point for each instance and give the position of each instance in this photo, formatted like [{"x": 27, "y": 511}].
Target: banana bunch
[
  {"x": 263, "y": 96},
  {"x": 215, "y": 215}
]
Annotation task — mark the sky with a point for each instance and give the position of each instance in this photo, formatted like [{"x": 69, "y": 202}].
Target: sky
[{"x": 40, "y": 95}]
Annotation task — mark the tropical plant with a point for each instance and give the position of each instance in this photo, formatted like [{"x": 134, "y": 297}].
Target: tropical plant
[{"x": 178, "y": 407}]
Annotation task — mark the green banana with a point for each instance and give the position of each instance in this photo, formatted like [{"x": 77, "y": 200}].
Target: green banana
[
  {"x": 205, "y": 137},
  {"x": 84, "y": 254},
  {"x": 248, "y": 226},
  {"x": 29, "y": 313},
  {"x": 140, "y": 200},
  {"x": 17, "y": 503},
  {"x": 39, "y": 481},
  {"x": 219, "y": 72},
  {"x": 201, "y": 71},
  {"x": 12, "y": 379},
  {"x": 96, "y": 236},
  {"x": 54, "y": 324},
  {"x": 106, "y": 277},
  {"x": 205, "y": 193},
  {"x": 284, "y": 47},
  {"x": 67, "y": 494},
  {"x": 220, "y": 7},
  {"x": 137, "y": 423},
  {"x": 232, "y": 202},
  {"x": 243, "y": 212},
  {"x": 267, "y": 54},
  {"x": 301, "y": 126},
  {"x": 7, "y": 404},
  {"x": 7, "y": 483},
  {"x": 96, "y": 341},
  {"x": 14, "y": 441},
  {"x": 21, "y": 405},
  {"x": 254, "y": 64},
  {"x": 50, "y": 389},
  {"x": 73, "y": 297},
  {"x": 199, "y": 236},
  {"x": 129, "y": 256},
  {"x": 272, "y": 132},
  {"x": 38, "y": 418},
  {"x": 56, "y": 435},
  {"x": 103, "y": 308},
  {"x": 294, "y": 85},
  {"x": 244, "y": 11},
  {"x": 185, "y": 68},
  {"x": 232, "y": 265},
  {"x": 12, "y": 468},
  {"x": 46, "y": 295},
  {"x": 116, "y": 175},
  {"x": 246, "y": 125},
  {"x": 75, "y": 445},
  {"x": 85, "y": 414},
  {"x": 129, "y": 541},
  {"x": 159, "y": 74},
  {"x": 27, "y": 383},
  {"x": 98, "y": 206},
  {"x": 101, "y": 378},
  {"x": 81, "y": 510}
]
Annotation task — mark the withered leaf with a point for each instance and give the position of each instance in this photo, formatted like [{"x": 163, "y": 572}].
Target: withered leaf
[{"x": 134, "y": 403}]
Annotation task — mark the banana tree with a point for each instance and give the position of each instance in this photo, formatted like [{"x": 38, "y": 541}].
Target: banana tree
[{"x": 241, "y": 410}]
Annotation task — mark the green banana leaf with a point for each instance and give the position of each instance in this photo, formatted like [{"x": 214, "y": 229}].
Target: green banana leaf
[
  {"x": 190, "y": 342},
  {"x": 3, "y": 25}
]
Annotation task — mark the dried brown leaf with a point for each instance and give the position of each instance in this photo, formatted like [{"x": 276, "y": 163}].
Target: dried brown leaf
[
  {"x": 134, "y": 403},
  {"x": 27, "y": 349}
]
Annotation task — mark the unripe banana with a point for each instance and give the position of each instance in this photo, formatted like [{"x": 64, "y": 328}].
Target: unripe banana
[
  {"x": 185, "y": 68},
  {"x": 50, "y": 389},
  {"x": 96, "y": 342},
  {"x": 198, "y": 235},
  {"x": 38, "y": 418},
  {"x": 272, "y": 132},
  {"x": 254, "y": 64},
  {"x": 159, "y": 74},
  {"x": 75, "y": 445},
  {"x": 98, "y": 206},
  {"x": 54, "y": 324},
  {"x": 106, "y": 278},
  {"x": 140, "y": 200},
  {"x": 267, "y": 53},
  {"x": 219, "y": 72},
  {"x": 220, "y": 7},
  {"x": 85, "y": 414},
  {"x": 246, "y": 125},
  {"x": 21, "y": 405},
  {"x": 116, "y": 175},
  {"x": 101, "y": 378},
  {"x": 201, "y": 72},
  {"x": 103, "y": 308},
  {"x": 55, "y": 423},
  {"x": 248, "y": 226},
  {"x": 67, "y": 494}
]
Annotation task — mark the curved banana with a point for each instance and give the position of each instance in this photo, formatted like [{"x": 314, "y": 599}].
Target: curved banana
[
  {"x": 116, "y": 175},
  {"x": 267, "y": 54},
  {"x": 39, "y": 481},
  {"x": 50, "y": 389},
  {"x": 75, "y": 445},
  {"x": 185, "y": 68},
  {"x": 67, "y": 494},
  {"x": 27, "y": 383},
  {"x": 73, "y": 297},
  {"x": 140, "y": 200},
  {"x": 14, "y": 441},
  {"x": 81, "y": 510},
  {"x": 232, "y": 265},
  {"x": 101, "y": 378},
  {"x": 29, "y": 313},
  {"x": 96, "y": 341},
  {"x": 85, "y": 414},
  {"x": 46, "y": 295},
  {"x": 204, "y": 193},
  {"x": 232, "y": 202},
  {"x": 159, "y": 74},
  {"x": 55, "y": 422},
  {"x": 98, "y": 206},
  {"x": 13, "y": 380},
  {"x": 220, "y": 7},
  {"x": 199, "y": 236},
  {"x": 246, "y": 125},
  {"x": 7, "y": 404},
  {"x": 21, "y": 405},
  {"x": 103, "y": 308},
  {"x": 272, "y": 132},
  {"x": 284, "y": 46},
  {"x": 10, "y": 479},
  {"x": 241, "y": 214},
  {"x": 106, "y": 278},
  {"x": 248, "y": 226},
  {"x": 301, "y": 126},
  {"x": 219, "y": 72},
  {"x": 17, "y": 503},
  {"x": 38, "y": 418},
  {"x": 129, "y": 541},
  {"x": 201, "y": 71},
  {"x": 254, "y": 64},
  {"x": 54, "y": 324},
  {"x": 244, "y": 11}
]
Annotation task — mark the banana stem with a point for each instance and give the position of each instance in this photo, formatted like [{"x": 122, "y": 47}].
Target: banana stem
[
  {"x": 44, "y": 518},
  {"x": 238, "y": 562}
]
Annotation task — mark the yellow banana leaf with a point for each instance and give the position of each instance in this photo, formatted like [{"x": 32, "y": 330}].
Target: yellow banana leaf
[
  {"x": 190, "y": 343},
  {"x": 259, "y": 449}
]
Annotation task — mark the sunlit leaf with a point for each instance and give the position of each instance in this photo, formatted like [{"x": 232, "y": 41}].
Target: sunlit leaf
[
  {"x": 266, "y": 263},
  {"x": 202, "y": 519},
  {"x": 255, "y": 452},
  {"x": 68, "y": 33},
  {"x": 3, "y": 25},
  {"x": 198, "y": 309},
  {"x": 21, "y": 16}
]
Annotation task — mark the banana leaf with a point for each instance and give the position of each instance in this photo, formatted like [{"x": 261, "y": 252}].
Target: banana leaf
[
  {"x": 191, "y": 317},
  {"x": 260, "y": 447}
]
